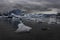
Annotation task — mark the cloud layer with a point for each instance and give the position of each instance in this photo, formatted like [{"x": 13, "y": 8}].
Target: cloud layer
[
  {"x": 34, "y": 2},
  {"x": 6, "y": 5}
]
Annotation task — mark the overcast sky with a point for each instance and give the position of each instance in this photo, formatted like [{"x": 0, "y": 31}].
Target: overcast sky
[
  {"x": 43, "y": 3},
  {"x": 29, "y": 2},
  {"x": 34, "y": 2}
]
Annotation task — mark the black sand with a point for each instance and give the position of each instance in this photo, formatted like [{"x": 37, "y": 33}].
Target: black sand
[{"x": 39, "y": 32}]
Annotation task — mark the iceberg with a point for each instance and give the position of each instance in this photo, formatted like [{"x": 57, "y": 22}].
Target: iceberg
[{"x": 23, "y": 28}]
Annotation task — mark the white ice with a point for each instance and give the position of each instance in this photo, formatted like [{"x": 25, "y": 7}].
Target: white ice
[
  {"x": 23, "y": 28},
  {"x": 52, "y": 21}
]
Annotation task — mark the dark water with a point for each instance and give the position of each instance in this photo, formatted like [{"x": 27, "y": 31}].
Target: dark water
[{"x": 39, "y": 32}]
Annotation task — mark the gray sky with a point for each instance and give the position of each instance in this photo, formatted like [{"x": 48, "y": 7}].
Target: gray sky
[
  {"x": 34, "y": 2},
  {"x": 43, "y": 3},
  {"x": 9, "y": 3}
]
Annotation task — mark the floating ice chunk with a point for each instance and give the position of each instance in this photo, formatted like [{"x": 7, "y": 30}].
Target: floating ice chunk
[
  {"x": 58, "y": 22},
  {"x": 52, "y": 21},
  {"x": 23, "y": 28}
]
